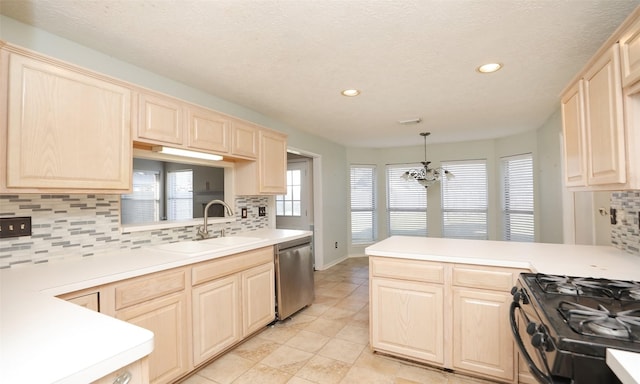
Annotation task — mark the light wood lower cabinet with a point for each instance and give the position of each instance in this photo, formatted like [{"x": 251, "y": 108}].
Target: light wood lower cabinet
[
  {"x": 134, "y": 373},
  {"x": 482, "y": 342},
  {"x": 258, "y": 298},
  {"x": 407, "y": 319},
  {"x": 195, "y": 312},
  {"x": 216, "y": 316},
  {"x": 453, "y": 316},
  {"x": 159, "y": 302},
  {"x": 233, "y": 297}
]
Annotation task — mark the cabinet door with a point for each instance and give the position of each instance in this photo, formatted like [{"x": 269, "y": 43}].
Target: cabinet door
[
  {"x": 216, "y": 317},
  {"x": 575, "y": 160},
  {"x": 407, "y": 318},
  {"x": 245, "y": 140},
  {"x": 482, "y": 340},
  {"x": 273, "y": 163},
  {"x": 160, "y": 119},
  {"x": 258, "y": 301},
  {"x": 604, "y": 120},
  {"x": 630, "y": 54},
  {"x": 166, "y": 317},
  {"x": 208, "y": 130},
  {"x": 66, "y": 129}
]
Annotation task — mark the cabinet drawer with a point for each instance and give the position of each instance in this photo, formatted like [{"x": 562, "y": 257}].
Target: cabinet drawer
[
  {"x": 149, "y": 287},
  {"x": 89, "y": 301},
  {"x": 230, "y": 264},
  {"x": 490, "y": 278},
  {"x": 415, "y": 270},
  {"x": 134, "y": 373}
]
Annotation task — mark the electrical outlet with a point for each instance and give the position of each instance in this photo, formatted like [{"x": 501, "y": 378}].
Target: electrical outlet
[
  {"x": 612, "y": 216},
  {"x": 336, "y": 245},
  {"x": 262, "y": 211},
  {"x": 15, "y": 226},
  {"x": 244, "y": 213}
]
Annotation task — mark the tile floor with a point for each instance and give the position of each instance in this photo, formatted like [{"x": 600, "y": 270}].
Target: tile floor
[{"x": 326, "y": 343}]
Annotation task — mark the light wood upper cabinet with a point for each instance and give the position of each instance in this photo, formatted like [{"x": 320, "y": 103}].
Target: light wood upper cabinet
[
  {"x": 160, "y": 119},
  {"x": 267, "y": 176},
  {"x": 208, "y": 130},
  {"x": 66, "y": 129},
  {"x": 245, "y": 140},
  {"x": 630, "y": 54},
  {"x": 600, "y": 111},
  {"x": 273, "y": 162},
  {"x": 604, "y": 121},
  {"x": 574, "y": 142}
]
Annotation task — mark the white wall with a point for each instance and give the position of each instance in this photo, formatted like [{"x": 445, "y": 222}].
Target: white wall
[{"x": 334, "y": 170}]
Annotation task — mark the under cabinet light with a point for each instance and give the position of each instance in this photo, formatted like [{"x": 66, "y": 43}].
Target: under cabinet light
[{"x": 187, "y": 153}]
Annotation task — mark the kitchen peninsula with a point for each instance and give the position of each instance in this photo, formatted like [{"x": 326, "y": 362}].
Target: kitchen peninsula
[
  {"x": 446, "y": 302},
  {"x": 48, "y": 340}
]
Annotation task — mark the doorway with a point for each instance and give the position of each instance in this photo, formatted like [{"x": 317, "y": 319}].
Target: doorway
[
  {"x": 310, "y": 217},
  {"x": 295, "y": 209}
]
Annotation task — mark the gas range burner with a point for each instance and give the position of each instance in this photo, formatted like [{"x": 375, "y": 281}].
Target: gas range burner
[
  {"x": 574, "y": 286},
  {"x": 600, "y": 321},
  {"x": 628, "y": 290}
]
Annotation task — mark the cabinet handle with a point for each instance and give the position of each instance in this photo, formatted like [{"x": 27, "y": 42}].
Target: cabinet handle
[{"x": 123, "y": 378}]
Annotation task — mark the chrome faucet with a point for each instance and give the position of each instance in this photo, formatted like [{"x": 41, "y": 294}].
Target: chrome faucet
[{"x": 203, "y": 232}]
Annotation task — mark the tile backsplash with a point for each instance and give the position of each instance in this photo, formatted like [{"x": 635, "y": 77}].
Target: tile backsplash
[
  {"x": 626, "y": 234},
  {"x": 72, "y": 226}
]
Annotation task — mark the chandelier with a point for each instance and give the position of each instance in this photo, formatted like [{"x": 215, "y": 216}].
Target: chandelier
[{"x": 426, "y": 176}]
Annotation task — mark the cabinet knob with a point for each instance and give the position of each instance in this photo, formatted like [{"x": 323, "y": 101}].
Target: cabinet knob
[{"x": 123, "y": 378}]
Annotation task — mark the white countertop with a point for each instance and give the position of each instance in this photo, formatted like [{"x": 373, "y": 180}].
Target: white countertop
[
  {"x": 47, "y": 340},
  {"x": 558, "y": 259}
]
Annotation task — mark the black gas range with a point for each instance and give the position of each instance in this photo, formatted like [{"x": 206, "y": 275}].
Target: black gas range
[{"x": 563, "y": 325}]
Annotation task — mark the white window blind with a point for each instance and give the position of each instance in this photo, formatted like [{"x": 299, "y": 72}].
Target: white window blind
[
  {"x": 465, "y": 200},
  {"x": 517, "y": 197},
  {"x": 180, "y": 195},
  {"x": 142, "y": 205},
  {"x": 406, "y": 203},
  {"x": 363, "y": 203},
  {"x": 289, "y": 204}
]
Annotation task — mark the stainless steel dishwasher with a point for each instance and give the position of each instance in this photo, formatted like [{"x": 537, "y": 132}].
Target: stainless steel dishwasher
[{"x": 294, "y": 277}]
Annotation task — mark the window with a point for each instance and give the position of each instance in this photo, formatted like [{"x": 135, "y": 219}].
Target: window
[
  {"x": 180, "y": 195},
  {"x": 363, "y": 203},
  {"x": 465, "y": 200},
  {"x": 517, "y": 197},
  {"x": 142, "y": 205},
  {"x": 289, "y": 204},
  {"x": 406, "y": 203}
]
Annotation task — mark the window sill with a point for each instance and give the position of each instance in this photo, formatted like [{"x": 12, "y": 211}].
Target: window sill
[{"x": 129, "y": 228}]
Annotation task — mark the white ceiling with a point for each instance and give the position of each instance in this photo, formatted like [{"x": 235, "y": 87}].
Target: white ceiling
[{"x": 289, "y": 59}]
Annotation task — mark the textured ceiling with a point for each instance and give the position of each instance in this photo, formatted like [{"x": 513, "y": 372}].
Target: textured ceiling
[{"x": 289, "y": 60}]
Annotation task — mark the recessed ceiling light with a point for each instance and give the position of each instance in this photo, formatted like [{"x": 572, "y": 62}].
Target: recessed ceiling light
[
  {"x": 489, "y": 68},
  {"x": 350, "y": 92}
]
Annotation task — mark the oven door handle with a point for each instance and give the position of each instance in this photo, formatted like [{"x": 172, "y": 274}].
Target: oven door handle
[{"x": 541, "y": 376}]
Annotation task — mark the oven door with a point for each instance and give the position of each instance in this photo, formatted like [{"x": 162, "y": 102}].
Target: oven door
[{"x": 530, "y": 336}]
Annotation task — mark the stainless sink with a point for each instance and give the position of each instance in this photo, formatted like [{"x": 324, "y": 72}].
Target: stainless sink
[{"x": 208, "y": 245}]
